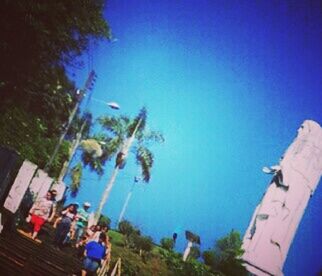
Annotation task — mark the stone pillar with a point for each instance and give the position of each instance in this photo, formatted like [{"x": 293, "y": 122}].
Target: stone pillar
[
  {"x": 40, "y": 184},
  {"x": 20, "y": 186}
]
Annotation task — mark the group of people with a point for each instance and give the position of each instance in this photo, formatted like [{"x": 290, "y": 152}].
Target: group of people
[{"x": 72, "y": 224}]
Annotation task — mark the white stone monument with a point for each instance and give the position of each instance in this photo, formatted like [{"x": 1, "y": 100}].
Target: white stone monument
[
  {"x": 60, "y": 187},
  {"x": 276, "y": 218},
  {"x": 20, "y": 186},
  {"x": 40, "y": 184}
]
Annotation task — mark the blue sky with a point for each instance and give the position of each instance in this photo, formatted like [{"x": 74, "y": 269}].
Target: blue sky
[{"x": 228, "y": 83}]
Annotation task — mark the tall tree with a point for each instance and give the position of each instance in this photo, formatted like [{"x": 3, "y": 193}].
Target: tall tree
[
  {"x": 52, "y": 34},
  {"x": 128, "y": 135},
  {"x": 38, "y": 40},
  {"x": 93, "y": 150},
  {"x": 225, "y": 257}
]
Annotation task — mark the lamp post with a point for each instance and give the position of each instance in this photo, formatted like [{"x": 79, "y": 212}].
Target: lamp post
[{"x": 129, "y": 195}]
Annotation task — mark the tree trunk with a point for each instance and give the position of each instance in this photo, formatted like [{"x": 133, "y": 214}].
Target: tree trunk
[
  {"x": 106, "y": 193},
  {"x": 125, "y": 149}
]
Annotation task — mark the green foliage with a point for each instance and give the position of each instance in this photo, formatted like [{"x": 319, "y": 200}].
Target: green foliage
[
  {"x": 156, "y": 262},
  {"x": 38, "y": 39},
  {"x": 194, "y": 252},
  {"x": 116, "y": 238},
  {"x": 167, "y": 243},
  {"x": 126, "y": 228},
  {"x": 178, "y": 267},
  {"x": 210, "y": 258},
  {"x": 96, "y": 163},
  {"x": 225, "y": 257},
  {"x": 119, "y": 129},
  {"x": 144, "y": 157},
  {"x": 104, "y": 221},
  {"x": 91, "y": 147},
  {"x": 52, "y": 33},
  {"x": 27, "y": 134},
  {"x": 130, "y": 269},
  {"x": 76, "y": 175},
  {"x": 138, "y": 123},
  {"x": 142, "y": 242}
]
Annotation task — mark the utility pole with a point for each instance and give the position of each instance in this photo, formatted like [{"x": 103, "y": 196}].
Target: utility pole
[
  {"x": 129, "y": 195},
  {"x": 72, "y": 151},
  {"x": 82, "y": 92}
]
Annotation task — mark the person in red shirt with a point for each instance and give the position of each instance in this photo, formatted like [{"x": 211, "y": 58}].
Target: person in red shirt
[{"x": 41, "y": 211}]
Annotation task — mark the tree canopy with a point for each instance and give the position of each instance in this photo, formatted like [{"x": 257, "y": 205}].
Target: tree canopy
[
  {"x": 225, "y": 256},
  {"x": 38, "y": 40}
]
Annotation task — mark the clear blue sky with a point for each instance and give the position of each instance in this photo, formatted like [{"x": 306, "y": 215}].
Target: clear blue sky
[{"x": 228, "y": 83}]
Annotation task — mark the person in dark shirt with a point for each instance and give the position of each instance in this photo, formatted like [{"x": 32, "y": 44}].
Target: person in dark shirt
[
  {"x": 68, "y": 216},
  {"x": 94, "y": 253}
]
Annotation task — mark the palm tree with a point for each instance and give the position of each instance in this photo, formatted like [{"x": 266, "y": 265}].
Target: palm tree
[
  {"x": 128, "y": 135},
  {"x": 94, "y": 152}
]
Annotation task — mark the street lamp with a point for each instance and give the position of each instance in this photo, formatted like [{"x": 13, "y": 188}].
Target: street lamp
[
  {"x": 136, "y": 180},
  {"x": 112, "y": 105}
]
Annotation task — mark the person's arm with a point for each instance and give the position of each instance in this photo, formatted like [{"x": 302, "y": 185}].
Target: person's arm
[
  {"x": 64, "y": 212},
  {"x": 53, "y": 212}
]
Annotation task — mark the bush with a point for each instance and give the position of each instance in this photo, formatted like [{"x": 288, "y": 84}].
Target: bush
[
  {"x": 143, "y": 243},
  {"x": 195, "y": 252},
  {"x": 126, "y": 228},
  {"x": 180, "y": 268},
  {"x": 225, "y": 257},
  {"x": 167, "y": 243},
  {"x": 104, "y": 221}
]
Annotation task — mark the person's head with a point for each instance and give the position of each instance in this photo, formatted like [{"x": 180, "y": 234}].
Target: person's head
[
  {"x": 54, "y": 192},
  {"x": 98, "y": 228},
  {"x": 102, "y": 237},
  {"x": 73, "y": 208},
  {"x": 86, "y": 205},
  {"x": 104, "y": 228},
  {"x": 50, "y": 195}
]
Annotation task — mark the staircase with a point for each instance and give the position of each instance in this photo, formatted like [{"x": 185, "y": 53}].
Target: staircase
[{"x": 20, "y": 255}]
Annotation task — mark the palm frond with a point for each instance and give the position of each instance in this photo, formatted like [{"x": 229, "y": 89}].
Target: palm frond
[
  {"x": 95, "y": 164},
  {"x": 114, "y": 125},
  {"x": 151, "y": 136},
  {"x": 139, "y": 119},
  {"x": 76, "y": 175},
  {"x": 144, "y": 158}
]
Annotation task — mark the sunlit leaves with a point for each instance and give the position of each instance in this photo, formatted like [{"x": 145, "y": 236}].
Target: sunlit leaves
[
  {"x": 76, "y": 175},
  {"x": 144, "y": 157}
]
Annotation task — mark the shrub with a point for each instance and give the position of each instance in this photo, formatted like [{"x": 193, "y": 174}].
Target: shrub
[
  {"x": 167, "y": 243},
  {"x": 143, "y": 243},
  {"x": 126, "y": 228},
  {"x": 104, "y": 221}
]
